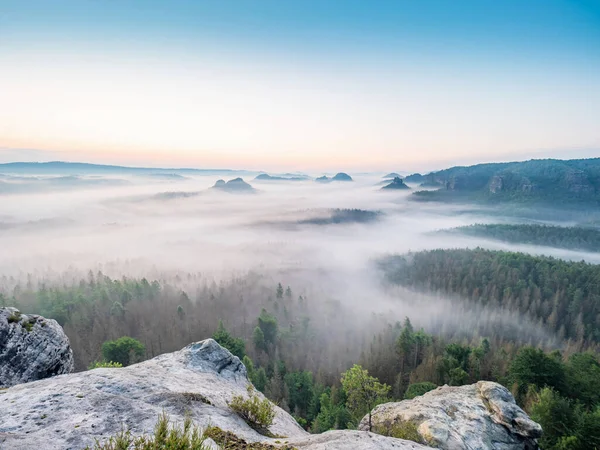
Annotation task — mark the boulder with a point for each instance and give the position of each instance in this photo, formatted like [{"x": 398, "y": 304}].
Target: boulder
[
  {"x": 72, "y": 411},
  {"x": 31, "y": 348},
  {"x": 482, "y": 416}
]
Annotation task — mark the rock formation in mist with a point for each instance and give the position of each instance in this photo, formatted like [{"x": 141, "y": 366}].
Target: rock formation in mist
[
  {"x": 31, "y": 348},
  {"x": 341, "y": 176},
  {"x": 237, "y": 185},
  {"x": 267, "y": 177},
  {"x": 200, "y": 381},
  {"x": 391, "y": 175},
  {"x": 478, "y": 416},
  {"x": 396, "y": 183}
]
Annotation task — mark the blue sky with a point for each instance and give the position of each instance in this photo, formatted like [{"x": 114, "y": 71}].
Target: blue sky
[{"x": 299, "y": 84}]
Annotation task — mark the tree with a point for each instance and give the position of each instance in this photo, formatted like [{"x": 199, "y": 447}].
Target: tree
[
  {"x": 364, "y": 391},
  {"x": 268, "y": 325},
  {"x": 125, "y": 350},
  {"x": 556, "y": 416},
  {"x": 279, "y": 291},
  {"x": 258, "y": 337},
  {"x": 300, "y": 389},
  {"x": 533, "y": 366},
  {"x": 235, "y": 345},
  {"x": 583, "y": 378}
]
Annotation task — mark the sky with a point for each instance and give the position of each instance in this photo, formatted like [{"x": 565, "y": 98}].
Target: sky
[{"x": 299, "y": 85}]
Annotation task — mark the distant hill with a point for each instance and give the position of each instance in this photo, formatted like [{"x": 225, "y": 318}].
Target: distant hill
[
  {"x": 396, "y": 183},
  {"x": 392, "y": 175},
  {"x": 341, "y": 176},
  {"x": 237, "y": 185},
  {"x": 60, "y": 167},
  {"x": 414, "y": 178},
  {"x": 267, "y": 177},
  {"x": 341, "y": 216},
  {"x": 548, "y": 181}
]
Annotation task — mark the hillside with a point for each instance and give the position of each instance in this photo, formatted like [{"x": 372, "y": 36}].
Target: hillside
[
  {"x": 571, "y": 238},
  {"x": 563, "y": 296},
  {"x": 545, "y": 181}
]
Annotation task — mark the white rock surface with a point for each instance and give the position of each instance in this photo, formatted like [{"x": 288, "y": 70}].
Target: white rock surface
[
  {"x": 72, "y": 411},
  {"x": 31, "y": 348},
  {"x": 352, "y": 439},
  {"x": 479, "y": 416}
]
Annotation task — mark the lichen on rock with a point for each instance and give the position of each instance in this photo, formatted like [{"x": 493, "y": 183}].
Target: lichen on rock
[{"x": 31, "y": 348}]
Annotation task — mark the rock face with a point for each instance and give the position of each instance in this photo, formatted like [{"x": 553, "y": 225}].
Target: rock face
[
  {"x": 72, "y": 411},
  {"x": 397, "y": 183},
  {"x": 237, "y": 185},
  {"x": 338, "y": 177},
  {"x": 31, "y": 348},
  {"x": 478, "y": 416}
]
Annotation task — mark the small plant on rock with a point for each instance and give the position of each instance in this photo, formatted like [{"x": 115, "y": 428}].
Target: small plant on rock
[
  {"x": 105, "y": 364},
  {"x": 257, "y": 413},
  {"x": 166, "y": 437}
]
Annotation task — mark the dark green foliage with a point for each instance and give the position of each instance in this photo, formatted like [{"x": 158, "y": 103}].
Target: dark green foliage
[
  {"x": 300, "y": 387},
  {"x": 583, "y": 379},
  {"x": 258, "y": 337},
  {"x": 556, "y": 415},
  {"x": 125, "y": 350},
  {"x": 268, "y": 325},
  {"x": 532, "y": 366},
  {"x": 563, "y": 295},
  {"x": 416, "y": 389},
  {"x": 235, "y": 345},
  {"x": 572, "y": 238},
  {"x": 333, "y": 413}
]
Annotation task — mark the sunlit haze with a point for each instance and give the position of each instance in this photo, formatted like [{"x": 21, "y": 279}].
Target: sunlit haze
[{"x": 298, "y": 85}]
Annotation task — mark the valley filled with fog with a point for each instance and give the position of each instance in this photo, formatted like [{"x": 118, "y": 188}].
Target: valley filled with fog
[{"x": 324, "y": 240}]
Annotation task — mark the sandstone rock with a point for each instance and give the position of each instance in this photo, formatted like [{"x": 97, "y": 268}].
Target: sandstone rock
[
  {"x": 479, "y": 416},
  {"x": 352, "y": 439},
  {"x": 31, "y": 348},
  {"x": 72, "y": 411},
  {"x": 76, "y": 409}
]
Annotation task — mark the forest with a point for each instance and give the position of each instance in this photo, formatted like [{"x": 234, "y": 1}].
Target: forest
[
  {"x": 561, "y": 296},
  {"x": 299, "y": 350},
  {"x": 556, "y": 183},
  {"x": 572, "y": 238}
]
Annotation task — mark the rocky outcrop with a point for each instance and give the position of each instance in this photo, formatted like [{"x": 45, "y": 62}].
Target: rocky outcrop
[
  {"x": 338, "y": 177},
  {"x": 478, "y": 416},
  {"x": 396, "y": 183},
  {"x": 577, "y": 181},
  {"x": 72, "y": 411},
  {"x": 31, "y": 348},
  {"x": 237, "y": 185}
]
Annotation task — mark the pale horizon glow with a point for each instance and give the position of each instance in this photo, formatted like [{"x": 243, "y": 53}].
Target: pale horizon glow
[{"x": 181, "y": 99}]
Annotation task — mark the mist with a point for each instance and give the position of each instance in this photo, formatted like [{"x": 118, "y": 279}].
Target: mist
[{"x": 163, "y": 227}]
